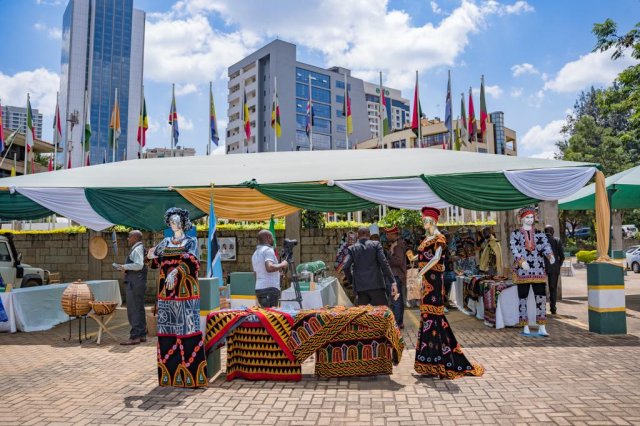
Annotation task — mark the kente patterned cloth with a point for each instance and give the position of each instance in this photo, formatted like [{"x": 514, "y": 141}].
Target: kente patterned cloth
[
  {"x": 438, "y": 353},
  {"x": 256, "y": 341},
  {"x": 355, "y": 341},
  {"x": 491, "y": 292},
  {"x": 181, "y": 354}
]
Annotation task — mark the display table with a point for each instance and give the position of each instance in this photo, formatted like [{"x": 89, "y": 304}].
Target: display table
[
  {"x": 328, "y": 292},
  {"x": 10, "y": 325},
  {"x": 39, "y": 308},
  {"x": 501, "y": 311},
  {"x": 271, "y": 344}
]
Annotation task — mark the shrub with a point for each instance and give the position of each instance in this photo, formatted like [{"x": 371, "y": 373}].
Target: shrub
[{"x": 586, "y": 256}]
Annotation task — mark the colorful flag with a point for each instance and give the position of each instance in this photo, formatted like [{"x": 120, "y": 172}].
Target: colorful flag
[
  {"x": 214, "y": 265},
  {"x": 69, "y": 150},
  {"x": 464, "y": 133},
  {"x": 143, "y": 125},
  {"x": 448, "y": 113},
  {"x": 310, "y": 119},
  {"x": 346, "y": 108},
  {"x": 484, "y": 117},
  {"x": 272, "y": 229},
  {"x": 30, "y": 134},
  {"x": 50, "y": 164},
  {"x": 383, "y": 113},
  {"x": 173, "y": 120},
  {"x": 473, "y": 125},
  {"x": 87, "y": 133},
  {"x": 13, "y": 171},
  {"x": 246, "y": 118},
  {"x": 417, "y": 108},
  {"x": 275, "y": 115},
  {"x": 215, "y": 136},
  {"x": 57, "y": 127},
  {"x": 88, "y": 159},
  {"x": 114, "y": 124}
]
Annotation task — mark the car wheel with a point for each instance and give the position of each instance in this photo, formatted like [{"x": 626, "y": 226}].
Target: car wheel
[
  {"x": 636, "y": 267},
  {"x": 35, "y": 283}
]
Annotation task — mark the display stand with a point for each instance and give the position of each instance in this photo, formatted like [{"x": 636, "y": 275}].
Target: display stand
[
  {"x": 79, "y": 318},
  {"x": 102, "y": 321}
]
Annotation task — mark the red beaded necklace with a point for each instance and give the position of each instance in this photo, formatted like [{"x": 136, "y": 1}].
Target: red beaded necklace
[{"x": 529, "y": 239}]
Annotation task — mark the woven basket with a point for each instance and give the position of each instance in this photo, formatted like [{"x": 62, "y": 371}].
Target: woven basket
[
  {"x": 76, "y": 299},
  {"x": 103, "y": 308}
]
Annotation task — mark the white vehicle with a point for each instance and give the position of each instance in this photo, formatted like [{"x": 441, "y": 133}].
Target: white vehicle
[
  {"x": 628, "y": 231},
  {"x": 14, "y": 271},
  {"x": 633, "y": 260}
]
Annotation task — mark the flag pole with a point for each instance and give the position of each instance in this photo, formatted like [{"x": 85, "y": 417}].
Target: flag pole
[
  {"x": 26, "y": 138},
  {"x": 310, "y": 116},
  {"x": 346, "y": 109},
  {"x": 115, "y": 123},
  {"x": 450, "y": 110},
  {"x": 275, "y": 112},
  {"x": 210, "y": 129},
  {"x": 84, "y": 116},
  {"x": 141, "y": 123},
  {"x": 380, "y": 119},
  {"x": 56, "y": 137},
  {"x": 418, "y": 113},
  {"x": 173, "y": 109}
]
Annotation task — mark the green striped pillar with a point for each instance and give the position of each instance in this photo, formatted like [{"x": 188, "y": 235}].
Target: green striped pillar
[
  {"x": 209, "y": 302},
  {"x": 607, "y": 313},
  {"x": 242, "y": 289}
]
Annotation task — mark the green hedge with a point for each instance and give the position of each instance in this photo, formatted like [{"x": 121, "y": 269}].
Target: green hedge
[{"x": 585, "y": 256}]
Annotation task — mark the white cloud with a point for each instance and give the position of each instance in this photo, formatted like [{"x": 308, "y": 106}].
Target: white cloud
[
  {"x": 54, "y": 33},
  {"x": 494, "y": 91},
  {"x": 185, "y": 89},
  {"x": 541, "y": 141},
  {"x": 185, "y": 123},
  {"x": 435, "y": 8},
  {"x": 525, "y": 68},
  {"x": 595, "y": 68},
  {"x": 41, "y": 84},
  {"x": 516, "y": 92},
  {"x": 50, "y": 2},
  {"x": 535, "y": 100},
  {"x": 351, "y": 34}
]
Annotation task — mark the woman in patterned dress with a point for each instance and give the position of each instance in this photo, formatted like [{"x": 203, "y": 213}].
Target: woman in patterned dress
[
  {"x": 437, "y": 352},
  {"x": 181, "y": 355}
]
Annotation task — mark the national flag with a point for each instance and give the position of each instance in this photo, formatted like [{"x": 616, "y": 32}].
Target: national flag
[
  {"x": 214, "y": 265},
  {"x": 143, "y": 125},
  {"x": 213, "y": 122},
  {"x": 484, "y": 117},
  {"x": 448, "y": 113},
  {"x": 246, "y": 118},
  {"x": 310, "y": 118},
  {"x": 346, "y": 108},
  {"x": 173, "y": 120},
  {"x": 275, "y": 115},
  {"x": 417, "y": 108},
  {"x": 30, "y": 134},
  {"x": 13, "y": 171},
  {"x": 2, "y": 145},
  {"x": 464, "y": 133},
  {"x": 88, "y": 159},
  {"x": 50, "y": 168},
  {"x": 272, "y": 229},
  {"x": 57, "y": 127},
  {"x": 114, "y": 124},
  {"x": 473, "y": 125},
  {"x": 69, "y": 150},
  {"x": 87, "y": 133},
  {"x": 383, "y": 113}
]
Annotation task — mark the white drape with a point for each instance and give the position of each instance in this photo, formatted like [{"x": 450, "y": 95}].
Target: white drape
[
  {"x": 410, "y": 193},
  {"x": 68, "y": 202},
  {"x": 550, "y": 184}
]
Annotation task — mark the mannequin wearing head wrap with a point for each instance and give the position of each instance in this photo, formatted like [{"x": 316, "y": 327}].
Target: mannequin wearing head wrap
[
  {"x": 437, "y": 351},
  {"x": 529, "y": 248}
]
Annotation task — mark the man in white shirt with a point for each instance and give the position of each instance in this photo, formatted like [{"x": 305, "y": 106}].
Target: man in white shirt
[
  {"x": 267, "y": 270},
  {"x": 135, "y": 284}
]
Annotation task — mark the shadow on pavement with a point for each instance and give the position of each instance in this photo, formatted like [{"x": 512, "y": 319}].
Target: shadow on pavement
[{"x": 160, "y": 398}]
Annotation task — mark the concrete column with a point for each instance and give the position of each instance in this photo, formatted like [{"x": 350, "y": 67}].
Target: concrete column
[
  {"x": 616, "y": 236},
  {"x": 293, "y": 225},
  {"x": 549, "y": 215}
]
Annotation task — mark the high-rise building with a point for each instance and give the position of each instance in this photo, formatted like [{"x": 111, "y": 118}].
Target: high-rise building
[
  {"x": 274, "y": 66},
  {"x": 398, "y": 110},
  {"x": 102, "y": 50},
  {"x": 16, "y": 118}
]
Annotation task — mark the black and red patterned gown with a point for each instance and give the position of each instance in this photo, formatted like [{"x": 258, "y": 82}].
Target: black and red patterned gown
[{"x": 438, "y": 352}]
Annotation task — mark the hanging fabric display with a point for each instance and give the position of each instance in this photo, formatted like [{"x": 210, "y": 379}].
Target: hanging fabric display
[
  {"x": 550, "y": 184},
  {"x": 15, "y": 206},
  {"x": 410, "y": 193}
]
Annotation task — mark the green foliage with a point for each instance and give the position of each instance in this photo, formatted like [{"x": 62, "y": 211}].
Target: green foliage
[
  {"x": 312, "y": 219},
  {"x": 586, "y": 256},
  {"x": 67, "y": 230},
  {"x": 402, "y": 218}
]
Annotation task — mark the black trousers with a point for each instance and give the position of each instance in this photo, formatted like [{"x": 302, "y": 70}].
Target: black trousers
[
  {"x": 553, "y": 289},
  {"x": 377, "y": 297},
  {"x": 268, "y": 297},
  {"x": 134, "y": 290}
]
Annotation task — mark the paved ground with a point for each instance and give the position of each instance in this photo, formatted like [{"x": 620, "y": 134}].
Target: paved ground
[{"x": 573, "y": 377}]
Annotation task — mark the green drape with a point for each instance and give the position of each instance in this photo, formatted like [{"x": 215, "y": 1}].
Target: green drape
[
  {"x": 314, "y": 196},
  {"x": 18, "y": 207},
  {"x": 624, "y": 197},
  {"x": 139, "y": 208},
  {"x": 478, "y": 191}
]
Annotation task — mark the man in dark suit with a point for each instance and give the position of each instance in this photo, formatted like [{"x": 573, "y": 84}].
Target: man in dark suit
[
  {"x": 365, "y": 268},
  {"x": 553, "y": 269}
]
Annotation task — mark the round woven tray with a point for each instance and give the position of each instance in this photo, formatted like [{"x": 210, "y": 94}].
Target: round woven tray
[{"x": 103, "y": 308}]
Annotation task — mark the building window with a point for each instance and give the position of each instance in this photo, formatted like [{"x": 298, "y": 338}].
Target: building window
[{"x": 340, "y": 84}]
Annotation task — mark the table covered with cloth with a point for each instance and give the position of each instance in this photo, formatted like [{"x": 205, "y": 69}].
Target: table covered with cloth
[{"x": 271, "y": 344}]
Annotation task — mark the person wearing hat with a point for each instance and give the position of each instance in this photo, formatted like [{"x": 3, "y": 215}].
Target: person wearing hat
[
  {"x": 398, "y": 265},
  {"x": 529, "y": 248},
  {"x": 135, "y": 284},
  {"x": 366, "y": 268},
  {"x": 437, "y": 351}
]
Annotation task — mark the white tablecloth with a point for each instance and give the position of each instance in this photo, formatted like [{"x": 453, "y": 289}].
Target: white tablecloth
[
  {"x": 39, "y": 308},
  {"x": 7, "y": 303},
  {"x": 328, "y": 292}
]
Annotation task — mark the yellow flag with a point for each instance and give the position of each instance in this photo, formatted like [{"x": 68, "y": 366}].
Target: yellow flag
[{"x": 13, "y": 171}]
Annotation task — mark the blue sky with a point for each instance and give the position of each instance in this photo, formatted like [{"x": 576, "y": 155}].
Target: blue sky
[{"x": 536, "y": 56}]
